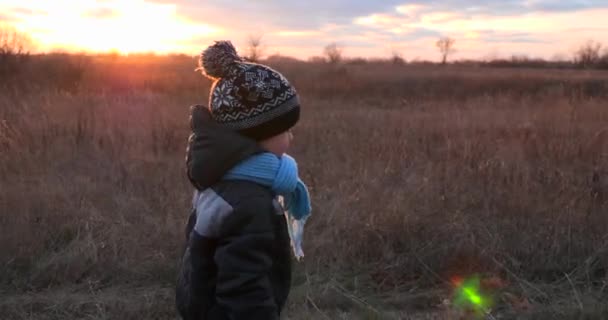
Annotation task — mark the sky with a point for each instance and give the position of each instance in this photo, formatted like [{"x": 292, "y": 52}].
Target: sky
[{"x": 302, "y": 28}]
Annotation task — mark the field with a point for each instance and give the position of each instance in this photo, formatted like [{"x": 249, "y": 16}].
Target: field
[{"x": 419, "y": 174}]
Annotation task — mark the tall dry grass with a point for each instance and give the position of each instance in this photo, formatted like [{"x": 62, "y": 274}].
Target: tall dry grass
[{"x": 416, "y": 173}]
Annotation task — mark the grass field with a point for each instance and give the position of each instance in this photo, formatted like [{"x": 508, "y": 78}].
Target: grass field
[{"x": 418, "y": 174}]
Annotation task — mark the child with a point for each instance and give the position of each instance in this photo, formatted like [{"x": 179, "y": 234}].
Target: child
[{"x": 237, "y": 260}]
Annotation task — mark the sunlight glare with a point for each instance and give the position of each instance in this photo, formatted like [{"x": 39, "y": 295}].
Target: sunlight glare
[{"x": 126, "y": 26}]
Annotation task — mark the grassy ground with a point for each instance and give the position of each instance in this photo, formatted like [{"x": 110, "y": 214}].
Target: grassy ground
[{"x": 418, "y": 175}]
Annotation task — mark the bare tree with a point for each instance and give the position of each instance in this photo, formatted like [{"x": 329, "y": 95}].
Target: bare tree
[
  {"x": 14, "y": 49},
  {"x": 333, "y": 53},
  {"x": 588, "y": 54},
  {"x": 603, "y": 63},
  {"x": 446, "y": 47},
  {"x": 396, "y": 57},
  {"x": 255, "y": 48},
  {"x": 13, "y": 42}
]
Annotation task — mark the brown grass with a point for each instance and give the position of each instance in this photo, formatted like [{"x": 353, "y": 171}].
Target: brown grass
[{"x": 417, "y": 173}]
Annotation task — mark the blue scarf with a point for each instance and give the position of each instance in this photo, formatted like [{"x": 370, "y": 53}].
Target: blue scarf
[{"x": 281, "y": 175}]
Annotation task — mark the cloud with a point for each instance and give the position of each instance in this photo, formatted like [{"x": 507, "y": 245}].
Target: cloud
[
  {"x": 101, "y": 13},
  {"x": 294, "y": 15},
  {"x": 27, "y": 11},
  {"x": 509, "y": 7},
  {"x": 493, "y": 36},
  {"x": 316, "y": 13},
  {"x": 13, "y": 15},
  {"x": 572, "y": 5},
  {"x": 4, "y": 17},
  {"x": 364, "y": 24},
  {"x": 584, "y": 29}
]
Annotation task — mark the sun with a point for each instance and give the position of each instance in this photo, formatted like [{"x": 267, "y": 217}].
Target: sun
[{"x": 124, "y": 26}]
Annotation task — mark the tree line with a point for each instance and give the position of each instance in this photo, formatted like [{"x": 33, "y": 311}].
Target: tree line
[
  {"x": 590, "y": 55},
  {"x": 16, "y": 47}
]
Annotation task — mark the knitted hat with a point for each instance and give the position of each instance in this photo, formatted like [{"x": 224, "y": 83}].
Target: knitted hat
[{"x": 250, "y": 98}]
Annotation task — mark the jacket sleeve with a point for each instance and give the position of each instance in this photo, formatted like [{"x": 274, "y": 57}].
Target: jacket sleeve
[
  {"x": 244, "y": 259},
  {"x": 194, "y": 292}
]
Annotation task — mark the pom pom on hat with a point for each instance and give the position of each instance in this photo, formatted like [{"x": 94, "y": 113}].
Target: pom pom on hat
[{"x": 217, "y": 60}]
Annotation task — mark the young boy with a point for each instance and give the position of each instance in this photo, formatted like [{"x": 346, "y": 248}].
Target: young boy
[{"x": 237, "y": 260}]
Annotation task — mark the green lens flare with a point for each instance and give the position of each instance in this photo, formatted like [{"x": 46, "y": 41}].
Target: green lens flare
[
  {"x": 468, "y": 294},
  {"x": 472, "y": 296}
]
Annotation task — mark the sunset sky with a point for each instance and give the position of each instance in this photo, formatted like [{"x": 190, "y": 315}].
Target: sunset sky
[{"x": 482, "y": 29}]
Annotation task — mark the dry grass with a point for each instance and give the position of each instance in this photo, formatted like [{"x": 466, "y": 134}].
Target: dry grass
[{"x": 417, "y": 174}]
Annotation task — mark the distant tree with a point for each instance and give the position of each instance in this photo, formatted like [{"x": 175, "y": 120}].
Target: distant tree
[
  {"x": 333, "y": 53},
  {"x": 356, "y": 61},
  {"x": 559, "y": 57},
  {"x": 588, "y": 55},
  {"x": 520, "y": 60},
  {"x": 603, "y": 63},
  {"x": 13, "y": 42},
  {"x": 396, "y": 57},
  {"x": 278, "y": 59},
  {"x": 446, "y": 47},
  {"x": 255, "y": 48},
  {"x": 14, "y": 49},
  {"x": 317, "y": 59}
]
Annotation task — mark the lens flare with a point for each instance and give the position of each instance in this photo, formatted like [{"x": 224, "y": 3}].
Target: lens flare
[{"x": 469, "y": 295}]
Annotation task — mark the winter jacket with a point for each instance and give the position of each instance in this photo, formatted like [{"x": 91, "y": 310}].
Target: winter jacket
[{"x": 236, "y": 263}]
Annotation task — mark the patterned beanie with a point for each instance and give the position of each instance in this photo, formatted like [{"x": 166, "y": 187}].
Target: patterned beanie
[{"x": 250, "y": 98}]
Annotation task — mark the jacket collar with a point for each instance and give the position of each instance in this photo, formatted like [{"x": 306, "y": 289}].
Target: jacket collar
[{"x": 213, "y": 149}]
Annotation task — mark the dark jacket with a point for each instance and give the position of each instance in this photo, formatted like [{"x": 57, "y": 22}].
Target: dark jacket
[{"x": 236, "y": 264}]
